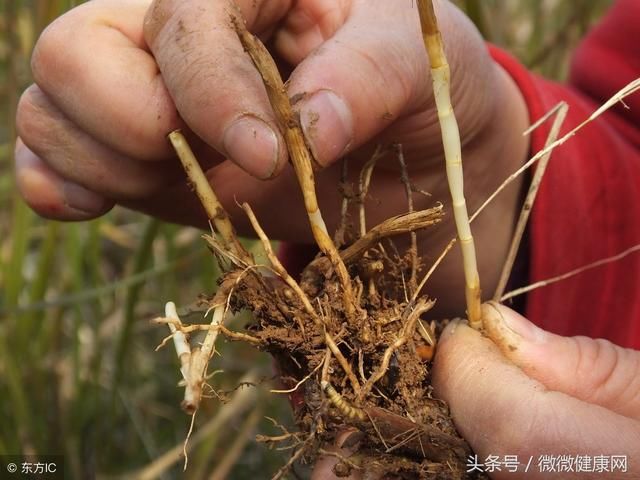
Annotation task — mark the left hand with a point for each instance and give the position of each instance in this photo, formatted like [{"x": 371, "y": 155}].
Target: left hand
[
  {"x": 532, "y": 393},
  {"x": 93, "y": 128}
]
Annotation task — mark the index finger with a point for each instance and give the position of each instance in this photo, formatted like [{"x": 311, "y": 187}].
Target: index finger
[
  {"x": 94, "y": 65},
  {"x": 213, "y": 82}
]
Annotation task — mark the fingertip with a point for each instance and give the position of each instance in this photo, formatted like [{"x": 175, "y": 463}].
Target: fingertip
[
  {"x": 456, "y": 349},
  {"x": 454, "y": 331},
  {"x": 497, "y": 325},
  {"x": 504, "y": 321},
  {"x": 49, "y": 195}
]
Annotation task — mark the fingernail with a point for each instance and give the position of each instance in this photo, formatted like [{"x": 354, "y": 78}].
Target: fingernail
[
  {"x": 81, "y": 199},
  {"x": 327, "y": 124},
  {"x": 253, "y": 145},
  {"x": 513, "y": 321}
]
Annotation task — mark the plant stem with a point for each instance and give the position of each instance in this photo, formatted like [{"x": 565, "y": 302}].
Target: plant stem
[
  {"x": 298, "y": 153},
  {"x": 440, "y": 75},
  {"x": 215, "y": 211},
  {"x": 413, "y": 250},
  {"x": 572, "y": 273},
  {"x": 528, "y": 203},
  {"x": 400, "y": 224}
]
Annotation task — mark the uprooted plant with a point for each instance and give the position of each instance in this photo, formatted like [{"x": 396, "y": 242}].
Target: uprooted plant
[{"x": 348, "y": 336}]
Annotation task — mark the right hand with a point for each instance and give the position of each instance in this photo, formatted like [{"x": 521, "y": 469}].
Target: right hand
[{"x": 114, "y": 77}]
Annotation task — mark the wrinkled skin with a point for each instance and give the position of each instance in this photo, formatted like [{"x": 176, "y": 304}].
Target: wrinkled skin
[
  {"x": 113, "y": 77},
  {"x": 93, "y": 127}
]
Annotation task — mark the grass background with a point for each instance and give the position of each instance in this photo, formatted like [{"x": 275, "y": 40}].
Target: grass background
[{"x": 78, "y": 371}]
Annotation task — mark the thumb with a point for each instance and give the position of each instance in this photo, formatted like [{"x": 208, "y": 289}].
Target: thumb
[
  {"x": 373, "y": 72},
  {"x": 593, "y": 370},
  {"x": 501, "y": 411}
]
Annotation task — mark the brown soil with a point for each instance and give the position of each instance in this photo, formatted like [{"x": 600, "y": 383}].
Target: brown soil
[
  {"x": 348, "y": 336},
  {"x": 406, "y": 432}
]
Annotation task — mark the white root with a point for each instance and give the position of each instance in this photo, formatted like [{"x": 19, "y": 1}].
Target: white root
[
  {"x": 199, "y": 360},
  {"x": 183, "y": 350},
  {"x": 193, "y": 362}
]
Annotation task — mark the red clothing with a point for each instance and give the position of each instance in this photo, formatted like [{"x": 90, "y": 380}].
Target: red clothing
[{"x": 588, "y": 206}]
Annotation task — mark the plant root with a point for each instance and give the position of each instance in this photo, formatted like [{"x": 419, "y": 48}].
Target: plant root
[{"x": 348, "y": 336}]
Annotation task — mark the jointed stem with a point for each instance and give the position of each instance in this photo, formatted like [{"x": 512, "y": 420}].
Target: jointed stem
[
  {"x": 629, "y": 89},
  {"x": 298, "y": 153},
  {"x": 440, "y": 75}
]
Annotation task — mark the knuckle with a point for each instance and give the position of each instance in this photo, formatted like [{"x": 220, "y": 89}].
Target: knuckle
[
  {"x": 55, "y": 54},
  {"x": 43, "y": 53},
  {"x": 42, "y": 131},
  {"x": 597, "y": 362},
  {"x": 609, "y": 373},
  {"x": 53, "y": 42},
  {"x": 35, "y": 122},
  {"x": 173, "y": 31},
  {"x": 28, "y": 115},
  {"x": 397, "y": 83}
]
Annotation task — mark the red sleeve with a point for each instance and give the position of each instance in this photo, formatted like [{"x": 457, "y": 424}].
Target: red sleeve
[{"x": 588, "y": 206}]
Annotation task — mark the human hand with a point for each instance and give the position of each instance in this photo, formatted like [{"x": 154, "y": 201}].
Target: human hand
[
  {"x": 113, "y": 77},
  {"x": 531, "y": 393}
]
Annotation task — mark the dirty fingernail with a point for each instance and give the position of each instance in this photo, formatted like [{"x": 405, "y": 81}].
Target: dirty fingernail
[
  {"x": 327, "y": 124},
  {"x": 81, "y": 199},
  {"x": 252, "y": 145},
  {"x": 513, "y": 321}
]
